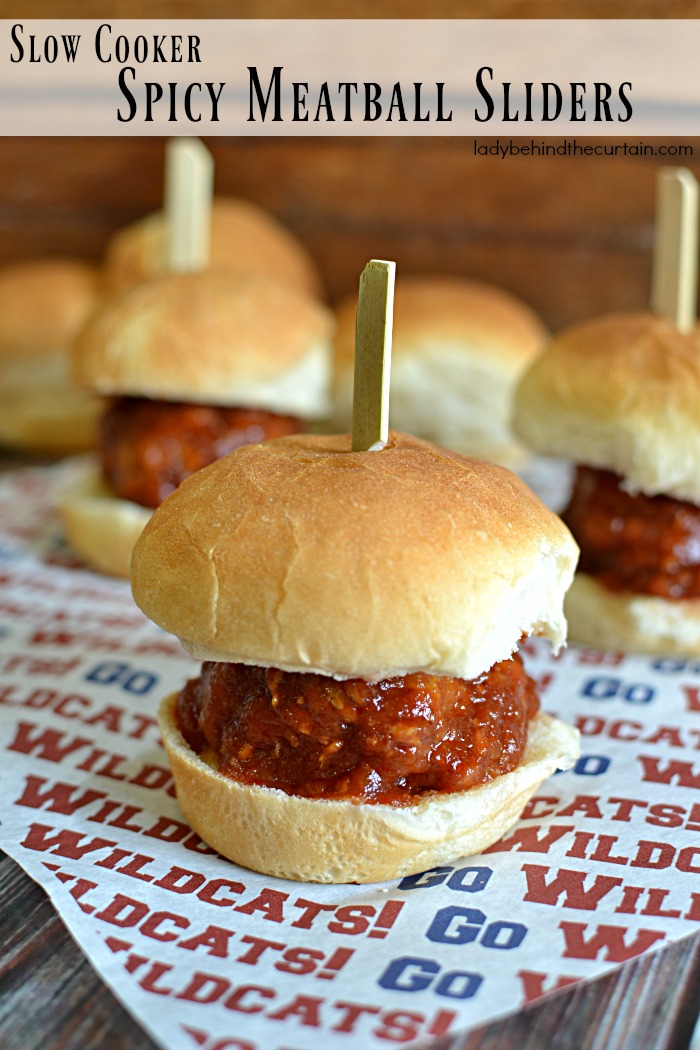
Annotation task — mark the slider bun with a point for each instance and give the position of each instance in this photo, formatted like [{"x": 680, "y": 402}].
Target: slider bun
[
  {"x": 211, "y": 337},
  {"x": 101, "y": 528},
  {"x": 624, "y": 622},
  {"x": 43, "y": 304},
  {"x": 244, "y": 238},
  {"x": 41, "y": 412},
  {"x": 620, "y": 393},
  {"x": 302, "y": 555},
  {"x": 458, "y": 350},
  {"x": 328, "y": 840}
]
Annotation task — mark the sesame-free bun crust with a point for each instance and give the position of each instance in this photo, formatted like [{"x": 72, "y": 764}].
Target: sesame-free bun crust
[
  {"x": 101, "y": 528},
  {"x": 458, "y": 349},
  {"x": 328, "y": 840},
  {"x": 43, "y": 304},
  {"x": 212, "y": 337},
  {"x": 626, "y": 622},
  {"x": 244, "y": 239},
  {"x": 620, "y": 393},
  {"x": 302, "y": 555}
]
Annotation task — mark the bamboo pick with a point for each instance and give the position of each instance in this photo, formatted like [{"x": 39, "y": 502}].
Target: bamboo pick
[
  {"x": 675, "y": 268},
  {"x": 373, "y": 327},
  {"x": 189, "y": 187}
]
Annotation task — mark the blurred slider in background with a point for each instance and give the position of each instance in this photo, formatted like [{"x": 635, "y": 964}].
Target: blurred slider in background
[
  {"x": 620, "y": 396},
  {"x": 197, "y": 357},
  {"x": 243, "y": 239},
  {"x": 459, "y": 348},
  {"x": 43, "y": 304}
]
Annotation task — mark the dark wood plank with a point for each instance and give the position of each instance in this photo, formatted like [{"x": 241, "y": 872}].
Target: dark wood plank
[
  {"x": 572, "y": 235},
  {"x": 50, "y": 997},
  {"x": 113, "y": 9}
]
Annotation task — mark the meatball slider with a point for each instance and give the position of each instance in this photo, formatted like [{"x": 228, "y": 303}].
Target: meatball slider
[
  {"x": 43, "y": 305},
  {"x": 244, "y": 239},
  {"x": 362, "y": 712},
  {"x": 620, "y": 396},
  {"x": 195, "y": 364},
  {"x": 459, "y": 348}
]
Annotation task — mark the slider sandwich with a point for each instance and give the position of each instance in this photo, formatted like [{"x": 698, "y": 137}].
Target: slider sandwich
[
  {"x": 459, "y": 348},
  {"x": 362, "y": 711},
  {"x": 43, "y": 304},
  {"x": 244, "y": 239},
  {"x": 620, "y": 396},
  {"x": 194, "y": 365}
]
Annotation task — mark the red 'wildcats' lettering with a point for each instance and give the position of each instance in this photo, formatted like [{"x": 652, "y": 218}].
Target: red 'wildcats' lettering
[
  {"x": 529, "y": 840},
  {"x": 584, "y": 806},
  {"x": 673, "y": 771},
  {"x": 597, "y": 658},
  {"x": 627, "y": 729},
  {"x": 269, "y": 903},
  {"x": 273, "y": 905},
  {"x": 629, "y": 899},
  {"x": 580, "y": 806},
  {"x": 32, "y": 665},
  {"x": 45, "y": 743},
  {"x": 126, "y": 913},
  {"x": 621, "y": 809},
  {"x": 536, "y": 985},
  {"x": 58, "y": 798},
  {"x": 82, "y": 708},
  {"x": 63, "y": 843},
  {"x": 568, "y": 883},
  {"x": 97, "y": 642},
  {"x": 310, "y": 1011},
  {"x": 306, "y": 1008},
  {"x": 692, "y": 697},
  {"x": 17, "y": 612},
  {"x": 606, "y": 942}
]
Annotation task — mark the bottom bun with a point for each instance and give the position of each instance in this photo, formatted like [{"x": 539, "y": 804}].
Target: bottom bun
[
  {"x": 631, "y": 622},
  {"x": 101, "y": 528},
  {"x": 328, "y": 840},
  {"x": 46, "y": 416}
]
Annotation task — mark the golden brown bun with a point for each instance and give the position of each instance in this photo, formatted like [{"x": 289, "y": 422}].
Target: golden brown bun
[
  {"x": 244, "y": 238},
  {"x": 326, "y": 840},
  {"x": 301, "y": 555},
  {"x": 620, "y": 393},
  {"x": 212, "y": 337},
  {"x": 101, "y": 528},
  {"x": 43, "y": 304},
  {"x": 625, "y": 622},
  {"x": 458, "y": 350}
]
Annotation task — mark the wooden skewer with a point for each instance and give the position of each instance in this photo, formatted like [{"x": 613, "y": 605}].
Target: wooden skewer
[
  {"x": 675, "y": 270},
  {"x": 373, "y": 326},
  {"x": 189, "y": 187}
]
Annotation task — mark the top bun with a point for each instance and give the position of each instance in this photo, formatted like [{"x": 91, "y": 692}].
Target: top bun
[
  {"x": 43, "y": 304},
  {"x": 302, "y": 555},
  {"x": 213, "y": 337},
  {"x": 458, "y": 350},
  {"x": 621, "y": 393},
  {"x": 244, "y": 239}
]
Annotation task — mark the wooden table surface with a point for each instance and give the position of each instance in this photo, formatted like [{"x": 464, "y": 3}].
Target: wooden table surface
[{"x": 51, "y": 999}]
